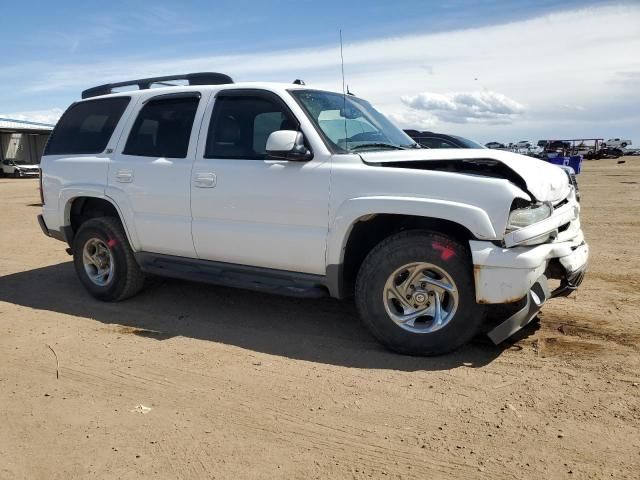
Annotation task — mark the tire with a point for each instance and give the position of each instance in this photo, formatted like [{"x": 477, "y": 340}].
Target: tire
[
  {"x": 448, "y": 260},
  {"x": 125, "y": 278}
]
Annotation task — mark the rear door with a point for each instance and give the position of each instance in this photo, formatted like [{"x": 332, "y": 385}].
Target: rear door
[{"x": 151, "y": 170}]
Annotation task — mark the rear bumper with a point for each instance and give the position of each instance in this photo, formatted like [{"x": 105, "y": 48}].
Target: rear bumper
[
  {"x": 506, "y": 275},
  {"x": 63, "y": 235}
]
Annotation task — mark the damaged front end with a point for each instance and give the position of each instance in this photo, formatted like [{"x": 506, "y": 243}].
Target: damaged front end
[
  {"x": 519, "y": 266},
  {"x": 538, "y": 236}
]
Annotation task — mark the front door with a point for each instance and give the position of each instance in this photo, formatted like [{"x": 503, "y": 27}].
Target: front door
[{"x": 250, "y": 210}]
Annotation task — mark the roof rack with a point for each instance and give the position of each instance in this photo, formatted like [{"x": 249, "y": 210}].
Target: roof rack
[{"x": 200, "y": 78}]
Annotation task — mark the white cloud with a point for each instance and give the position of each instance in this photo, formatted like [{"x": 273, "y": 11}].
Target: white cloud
[
  {"x": 41, "y": 116},
  {"x": 584, "y": 58},
  {"x": 463, "y": 107}
]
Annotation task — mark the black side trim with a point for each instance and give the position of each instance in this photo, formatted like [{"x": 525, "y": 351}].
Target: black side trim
[
  {"x": 335, "y": 281},
  {"x": 281, "y": 282},
  {"x": 43, "y": 226},
  {"x": 67, "y": 235}
]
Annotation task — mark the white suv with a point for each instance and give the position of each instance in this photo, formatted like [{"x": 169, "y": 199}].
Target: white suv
[
  {"x": 304, "y": 192},
  {"x": 616, "y": 143}
]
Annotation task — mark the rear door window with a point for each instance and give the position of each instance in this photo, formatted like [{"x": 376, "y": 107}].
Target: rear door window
[
  {"x": 163, "y": 127},
  {"x": 86, "y": 127}
]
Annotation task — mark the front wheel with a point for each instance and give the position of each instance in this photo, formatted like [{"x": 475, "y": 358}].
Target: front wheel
[
  {"x": 415, "y": 292},
  {"x": 104, "y": 260}
]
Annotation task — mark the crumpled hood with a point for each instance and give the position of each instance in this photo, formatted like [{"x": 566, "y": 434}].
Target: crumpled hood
[{"x": 545, "y": 181}]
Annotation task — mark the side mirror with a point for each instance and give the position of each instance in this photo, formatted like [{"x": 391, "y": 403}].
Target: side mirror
[{"x": 288, "y": 145}]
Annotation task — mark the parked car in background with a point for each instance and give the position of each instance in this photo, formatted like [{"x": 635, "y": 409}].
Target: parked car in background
[
  {"x": 523, "y": 144},
  {"x": 557, "y": 146},
  {"x": 19, "y": 168},
  {"x": 616, "y": 143},
  {"x": 610, "y": 152},
  {"x": 495, "y": 145},
  {"x": 441, "y": 140}
]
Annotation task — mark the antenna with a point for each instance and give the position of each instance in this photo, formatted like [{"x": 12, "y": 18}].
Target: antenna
[{"x": 344, "y": 95}]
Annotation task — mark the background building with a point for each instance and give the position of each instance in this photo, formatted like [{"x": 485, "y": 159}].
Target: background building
[{"x": 23, "y": 141}]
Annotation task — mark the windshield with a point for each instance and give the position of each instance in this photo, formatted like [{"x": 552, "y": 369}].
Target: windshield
[
  {"x": 350, "y": 124},
  {"x": 468, "y": 143}
]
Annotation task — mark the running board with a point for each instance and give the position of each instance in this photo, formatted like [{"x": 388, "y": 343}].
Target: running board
[
  {"x": 536, "y": 297},
  {"x": 279, "y": 282}
]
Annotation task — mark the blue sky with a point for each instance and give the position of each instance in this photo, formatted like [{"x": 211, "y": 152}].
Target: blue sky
[{"x": 433, "y": 65}]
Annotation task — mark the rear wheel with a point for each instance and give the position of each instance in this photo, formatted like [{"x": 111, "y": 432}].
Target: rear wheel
[
  {"x": 104, "y": 261},
  {"x": 415, "y": 292}
]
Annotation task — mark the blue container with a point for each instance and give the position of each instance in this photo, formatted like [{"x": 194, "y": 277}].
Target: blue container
[
  {"x": 559, "y": 161},
  {"x": 574, "y": 162}
]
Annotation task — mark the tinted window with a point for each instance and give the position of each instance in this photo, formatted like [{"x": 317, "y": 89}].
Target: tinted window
[
  {"x": 86, "y": 127},
  {"x": 163, "y": 128},
  {"x": 240, "y": 126}
]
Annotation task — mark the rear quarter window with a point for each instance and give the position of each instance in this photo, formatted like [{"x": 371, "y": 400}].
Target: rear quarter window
[{"x": 86, "y": 127}]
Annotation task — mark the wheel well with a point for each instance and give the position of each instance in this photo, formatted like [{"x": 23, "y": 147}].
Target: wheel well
[
  {"x": 85, "y": 208},
  {"x": 370, "y": 230}
]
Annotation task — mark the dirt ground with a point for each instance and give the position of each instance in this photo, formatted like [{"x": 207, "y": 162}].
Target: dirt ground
[{"x": 245, "y": 385}]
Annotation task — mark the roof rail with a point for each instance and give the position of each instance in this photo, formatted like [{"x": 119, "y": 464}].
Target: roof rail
[{"x": 201, "y": 78}]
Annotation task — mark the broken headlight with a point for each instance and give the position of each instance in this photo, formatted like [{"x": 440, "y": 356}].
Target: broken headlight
[{"x": 523, "y": 217}]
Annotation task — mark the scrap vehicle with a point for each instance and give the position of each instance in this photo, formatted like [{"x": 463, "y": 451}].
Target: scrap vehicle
[
  {"x": 288, "y": 189},
  {"x": 18, "y": 168},
  {"x": 616, "y": 143}
]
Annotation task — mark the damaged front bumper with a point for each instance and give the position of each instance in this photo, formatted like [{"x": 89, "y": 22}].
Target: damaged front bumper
[
  {"x": 509, "y": 275},
  {"x": 506, "y": 274}
]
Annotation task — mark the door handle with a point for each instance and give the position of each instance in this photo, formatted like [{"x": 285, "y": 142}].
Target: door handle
[
  {"x": 124, "y": 175},
  {"x": 205, "y": 180}
]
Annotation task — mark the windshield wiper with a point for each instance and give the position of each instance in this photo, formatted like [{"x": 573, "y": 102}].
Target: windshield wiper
[{"x": 376, "y": 145}]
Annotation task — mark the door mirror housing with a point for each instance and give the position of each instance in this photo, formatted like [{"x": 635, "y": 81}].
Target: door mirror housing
[{"x": 287, "y": 145}]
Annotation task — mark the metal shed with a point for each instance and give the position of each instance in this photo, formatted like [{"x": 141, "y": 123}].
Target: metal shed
[{"x": 23, "y": 141}]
